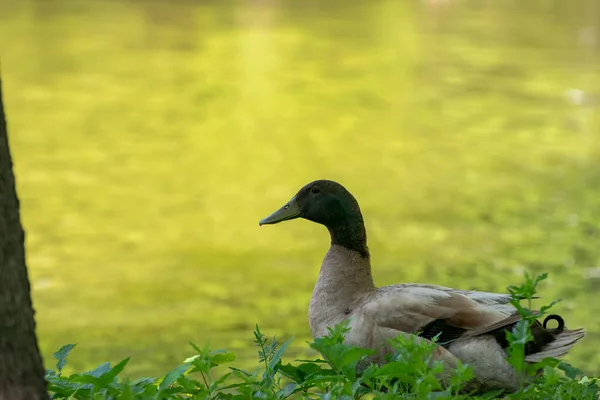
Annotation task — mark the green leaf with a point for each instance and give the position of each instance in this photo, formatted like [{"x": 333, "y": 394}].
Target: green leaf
[
  {"x": 88, "y": 379},
  {"x": 99, "y": 370},
  {"x": 570, "y": 371},
  {"x": 233, "y": 385},
  {"x": 114, "y": 371},
  {"x": 216, "y": 385},
  {"x": 370, "y": 372},
  {"x": 61, "y": 355},
  {"x": 544, "y": 309},
  {"x": 342, "y": 358},
  {"x": 188, "y": 385},
  {"x": 393, "y": 369},
  {"x": 240, "y": 372},
  {"x": 172, "y": 376},
  {"x": 143, "y": 382},
  {"x": 291, "y": 372},
  {"x": 528, "y": 289},
  {"x": 223, "y": 358},
  {"x": 317, "y": 361},
  {"x": 277, "y": 355},
  {"x": 62, "y": 387},
  {"x": 287, "y": 391},
  {"x": 198, "y": 350},
  {"x": 192, "y": 358},
  {"x": 461, "y": 375},
  {"x": 517, "y": 338}
]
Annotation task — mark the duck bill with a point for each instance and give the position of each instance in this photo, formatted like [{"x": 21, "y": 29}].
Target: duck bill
[{"x": 289, "y": 211}]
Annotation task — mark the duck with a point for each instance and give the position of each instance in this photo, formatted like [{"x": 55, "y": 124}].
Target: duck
[{"x": 466, "y": 326}]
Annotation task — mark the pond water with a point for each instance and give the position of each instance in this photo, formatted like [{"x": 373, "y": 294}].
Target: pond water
[{"x": 149, "y": 139}]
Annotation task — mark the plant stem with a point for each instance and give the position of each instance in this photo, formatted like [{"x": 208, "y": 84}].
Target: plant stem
[{"x": 206, "y": 383}]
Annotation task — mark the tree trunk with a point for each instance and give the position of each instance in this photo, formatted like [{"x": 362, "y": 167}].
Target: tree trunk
[{"x": 21, "y": 367}]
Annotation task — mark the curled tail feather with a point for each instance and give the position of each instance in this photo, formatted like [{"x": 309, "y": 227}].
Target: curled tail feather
[
  {"x": 559, "y": 347},
  {"x": 548, "y": 342},
  {"x": 557, "y": 318}
]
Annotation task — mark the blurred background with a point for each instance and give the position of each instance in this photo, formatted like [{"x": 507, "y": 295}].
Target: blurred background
[{"x": 150, "y": 137}]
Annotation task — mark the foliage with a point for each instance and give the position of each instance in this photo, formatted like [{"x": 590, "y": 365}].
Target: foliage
[{"x": 408, "y": 374}]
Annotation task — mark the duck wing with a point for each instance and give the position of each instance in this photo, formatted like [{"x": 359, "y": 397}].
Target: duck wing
[
  {"x": 449, "y": 314},
  {"x": 413, "y": 308}
]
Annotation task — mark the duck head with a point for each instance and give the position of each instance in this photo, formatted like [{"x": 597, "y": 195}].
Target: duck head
[{"x": 327, "y": 203}]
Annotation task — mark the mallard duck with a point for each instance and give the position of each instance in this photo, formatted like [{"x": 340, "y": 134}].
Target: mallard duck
[{"x": 471, "y": 324}]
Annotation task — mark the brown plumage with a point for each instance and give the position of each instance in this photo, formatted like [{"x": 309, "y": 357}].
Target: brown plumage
[{"x": 471, "y": 325}]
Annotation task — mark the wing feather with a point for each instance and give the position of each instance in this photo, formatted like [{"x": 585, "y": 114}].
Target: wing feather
[
  {"x": 452, "y": 315},
  {"x": 411, "y": 307}
]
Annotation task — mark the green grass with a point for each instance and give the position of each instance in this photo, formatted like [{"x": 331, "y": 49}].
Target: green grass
[
  {"x": 150, "y": 139},
  {"x": 342, "y": 371}
]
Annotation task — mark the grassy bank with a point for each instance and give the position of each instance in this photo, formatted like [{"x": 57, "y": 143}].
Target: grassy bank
[{"x": 411, "y": 371}]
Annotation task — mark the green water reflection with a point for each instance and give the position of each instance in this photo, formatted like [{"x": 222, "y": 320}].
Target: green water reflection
[{"x": 149, "y": 138}]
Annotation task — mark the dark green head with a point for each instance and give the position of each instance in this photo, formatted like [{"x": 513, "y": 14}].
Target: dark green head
[{"x": 328, "y": 203}]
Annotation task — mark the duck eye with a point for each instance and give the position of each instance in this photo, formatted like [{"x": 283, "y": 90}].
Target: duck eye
[{"x": 315, "y": 189}]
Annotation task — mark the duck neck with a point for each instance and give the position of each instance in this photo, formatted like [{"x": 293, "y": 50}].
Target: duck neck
[
  {"x": 350, "y": 234},
  {"x": 345, "y": 277}
]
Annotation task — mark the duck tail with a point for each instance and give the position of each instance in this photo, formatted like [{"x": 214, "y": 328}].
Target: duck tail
[{"x": 552, "y": 343}]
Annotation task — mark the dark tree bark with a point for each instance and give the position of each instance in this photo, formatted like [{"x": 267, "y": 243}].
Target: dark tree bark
[{"x": 21, "y": 367}]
